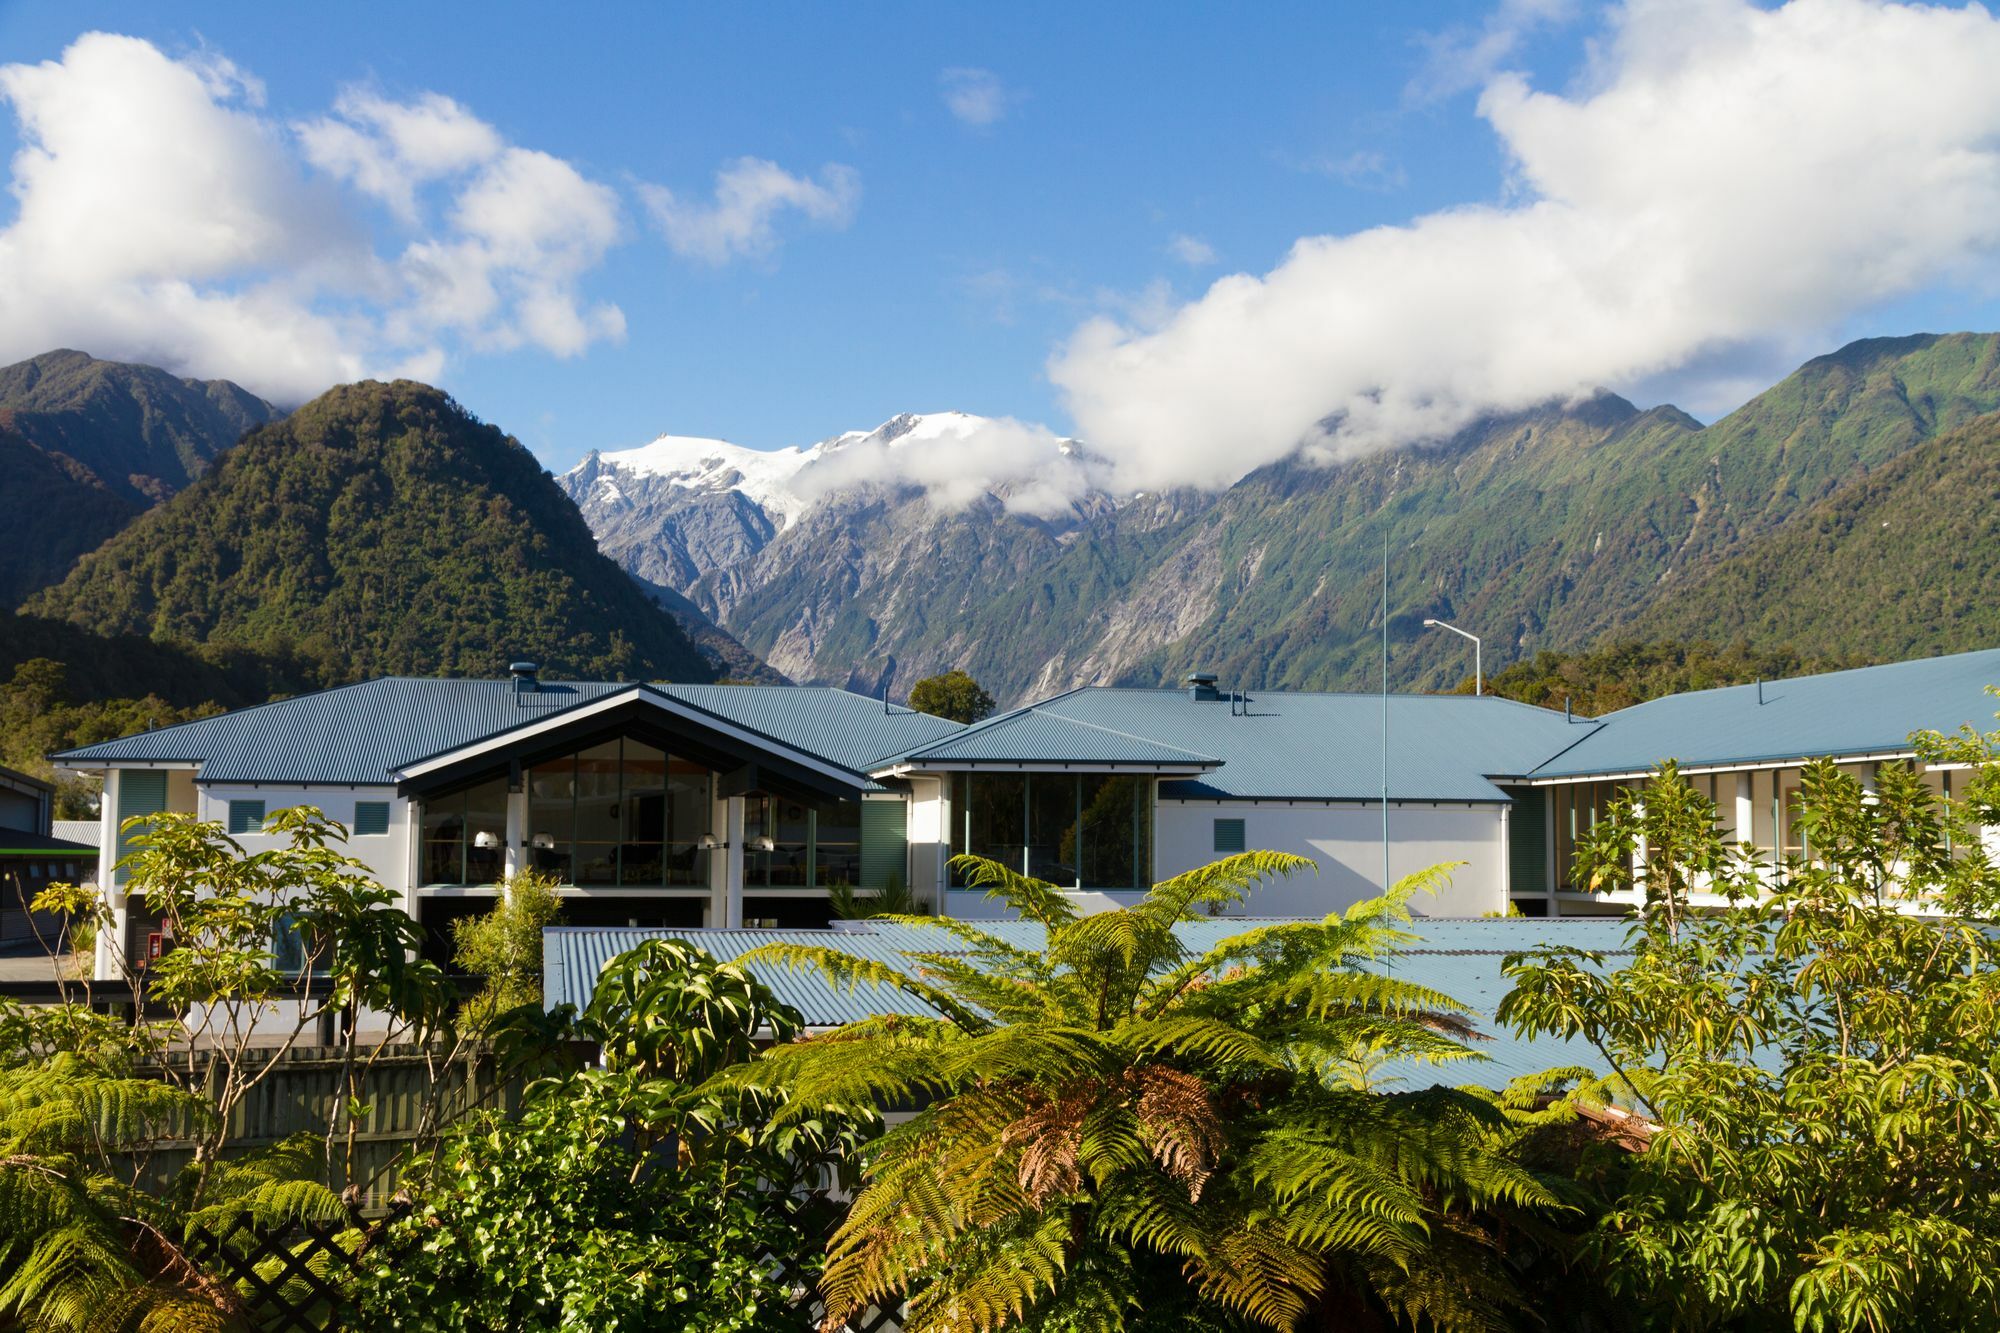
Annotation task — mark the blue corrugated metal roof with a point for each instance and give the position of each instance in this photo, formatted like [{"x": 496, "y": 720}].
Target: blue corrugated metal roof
[
  {"x": 362, "y": 734},
  {"x": 1869, "y": 710},
  {"x": 1036, "y": 735},
  {"x": 1460, "y": 958},
  {"x": 1329, "y": 746}
]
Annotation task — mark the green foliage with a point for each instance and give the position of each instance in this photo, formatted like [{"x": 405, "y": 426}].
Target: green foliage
[
  {"x": 378, "y": 530},
  {"x": 630, "y": 1197},
  {"x": 505, "y": 945},
  {"x": 1817, "y": 1056},
  {"x": 894, "y": 898},
  {"x": 1111, "y": 1126},
  {"x": 1626, "y": 672},
  {"x": 953, "y": 695}
]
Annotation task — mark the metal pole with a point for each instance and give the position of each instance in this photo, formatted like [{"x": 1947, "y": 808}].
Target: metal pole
[{"x": 1385, "y": 711}]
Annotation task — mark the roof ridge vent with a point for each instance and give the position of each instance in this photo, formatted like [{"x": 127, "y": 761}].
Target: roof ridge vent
[
  {"x": 1201, "y": 687},
  {"x": 527, "y": 677}
]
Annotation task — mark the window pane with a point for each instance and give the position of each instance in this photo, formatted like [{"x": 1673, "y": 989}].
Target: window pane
[
  {"x": 785, "y": 823},
  {"x": 486, "y": 832},
  {"x": 1052, "y": 849},
  {"x": 644, "y": 817},
  {"x": 598, "y": 831},
  {"x": 989, "y": 817},
  {"x": 552, "y": 817},
  {"x": 444, "y": 839},
  {"x": 837, "y": 843},
  {"x": 371, "y": 818},
  {"x": 1117, "y": 832},
  {"x": 246, "y": 816},
  {"x": 689, "y": 813}
]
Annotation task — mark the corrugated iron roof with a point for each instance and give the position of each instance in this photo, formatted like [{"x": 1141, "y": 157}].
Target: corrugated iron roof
[
  {"x": 1036, "y": 735},
  {"x": 361, "y": 734},
  {"x": 1329, "y": 746},
  {"x": 84, "y": 832},
  {"x": 1870, "y": 710},
  {"x": 1460, "y": 958}
]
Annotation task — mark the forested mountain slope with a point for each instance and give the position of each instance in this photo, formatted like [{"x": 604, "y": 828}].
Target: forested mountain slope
[
  {"x": 87, "y": 445},
  {"x": 378, "y": 530}
]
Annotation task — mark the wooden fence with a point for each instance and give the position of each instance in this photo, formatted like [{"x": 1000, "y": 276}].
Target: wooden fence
[{"x": 299, "y": 1095}]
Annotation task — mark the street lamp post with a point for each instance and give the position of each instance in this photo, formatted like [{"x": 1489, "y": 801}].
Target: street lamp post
[{"x": 1478, "y": 666}]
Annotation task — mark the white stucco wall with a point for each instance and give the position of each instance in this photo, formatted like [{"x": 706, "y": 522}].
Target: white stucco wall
[
  {"x": 1346, "y": 841},
  {"x": 388, "y": 856}
]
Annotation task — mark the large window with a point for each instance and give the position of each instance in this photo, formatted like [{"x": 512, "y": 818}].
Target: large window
[
  {"x": 1077, "y": 830},
  {"x": 811, "y": 845},
  {"x": 623, "y": 813},
  {"x": 465, "y": 835}
]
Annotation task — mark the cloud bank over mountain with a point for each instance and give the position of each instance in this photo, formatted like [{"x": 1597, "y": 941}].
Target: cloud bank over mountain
[{"x": 1723, "y": 176}]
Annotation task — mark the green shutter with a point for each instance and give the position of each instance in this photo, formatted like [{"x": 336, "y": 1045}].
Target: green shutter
[
  {"x": 1229, "y": 836},
  {"x": 884, "y": 843},
  {"x": 1528, "y": 841},
  {"x": 371, "y": 818},
  {"x": 140, "y": 792}
]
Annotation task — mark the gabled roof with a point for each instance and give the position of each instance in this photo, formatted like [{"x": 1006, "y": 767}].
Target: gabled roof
[
  {"x": 365, "y": 734},
  {"x": 1461, "y": 958},
  {"x": 1866, "y": 711},
  {"x": 1316, "y": 747},
  {"x": 1035, "y": 735}
]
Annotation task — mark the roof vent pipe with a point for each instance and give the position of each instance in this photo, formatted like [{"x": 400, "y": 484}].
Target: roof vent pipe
[
  {"x": 527, "y": 677},
  {"x": 1201, "y": 687}
]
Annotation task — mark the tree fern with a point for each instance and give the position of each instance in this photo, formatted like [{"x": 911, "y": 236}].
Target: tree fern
[{"x": 1111, "y": 1104}]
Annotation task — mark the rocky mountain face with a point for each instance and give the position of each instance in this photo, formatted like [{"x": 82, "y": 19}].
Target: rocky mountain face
[
  {"x": 87, "y": 445},
  {"x": 1548, "y": 528}
]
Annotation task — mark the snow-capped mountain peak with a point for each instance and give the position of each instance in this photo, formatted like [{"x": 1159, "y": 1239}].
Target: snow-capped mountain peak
[{"x": 692, "y": 463}]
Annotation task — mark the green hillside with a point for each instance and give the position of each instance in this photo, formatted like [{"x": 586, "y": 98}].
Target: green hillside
[
  {"x": 85, "y": 445},
  {"x": 377, "y": 530},
  {"x": 1902, "y": 561}
]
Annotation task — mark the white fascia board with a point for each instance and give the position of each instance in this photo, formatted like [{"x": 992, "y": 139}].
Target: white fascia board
[
  {"x": 1703, "y": 770},
  {"x": 584, "y": 712}
]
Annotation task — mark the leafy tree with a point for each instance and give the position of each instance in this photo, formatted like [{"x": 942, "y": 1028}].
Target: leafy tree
[
  {"x": 505, "y": 945},
  {"x": 954, "y": 695},
  {"x": 894, "y": 898},
  {"x": 627, "y": 1197},
  {"x": 1815, "y": 1059},
  {"x": 1111, "y": 1125}
]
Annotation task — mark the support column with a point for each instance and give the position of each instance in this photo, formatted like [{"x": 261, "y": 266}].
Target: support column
[
  {"x": 732, "y": 882},
  {"x": 1746, "y": 809},
  {"x": 109, "y": 963},
  {"x": 514, "y": 858},
  {"x": 1638, "y": 854}
]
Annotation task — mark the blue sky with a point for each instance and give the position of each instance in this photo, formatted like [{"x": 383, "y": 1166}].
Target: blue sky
[{"x": 962, "y": 256}]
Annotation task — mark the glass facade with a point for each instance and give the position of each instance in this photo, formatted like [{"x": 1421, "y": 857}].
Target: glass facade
[
  {"x": 464, "y": 835},
  {"x": 618, "y": 814},
  {"x": 1073, "y": 830},
  {"x": 812, "y": 845}
]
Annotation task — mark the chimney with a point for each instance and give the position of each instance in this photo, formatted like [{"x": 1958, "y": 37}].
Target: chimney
[
  {"x": 1201, "y": 687},
  {"x": 527, "y": 677}
]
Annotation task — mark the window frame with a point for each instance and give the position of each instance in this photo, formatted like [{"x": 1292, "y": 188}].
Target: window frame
[{"x": 238, "y": 811}]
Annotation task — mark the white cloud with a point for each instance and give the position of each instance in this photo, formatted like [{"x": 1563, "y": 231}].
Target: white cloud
[
  {"x": 1729, "y": 176},
  {"x": 1191, "y": 250},
  {"x": 749, "y": 194},
  {"x": 162, "y": 217},
  {"x": 975, "y": 96},
  {"x": 957, "y": 460}
]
